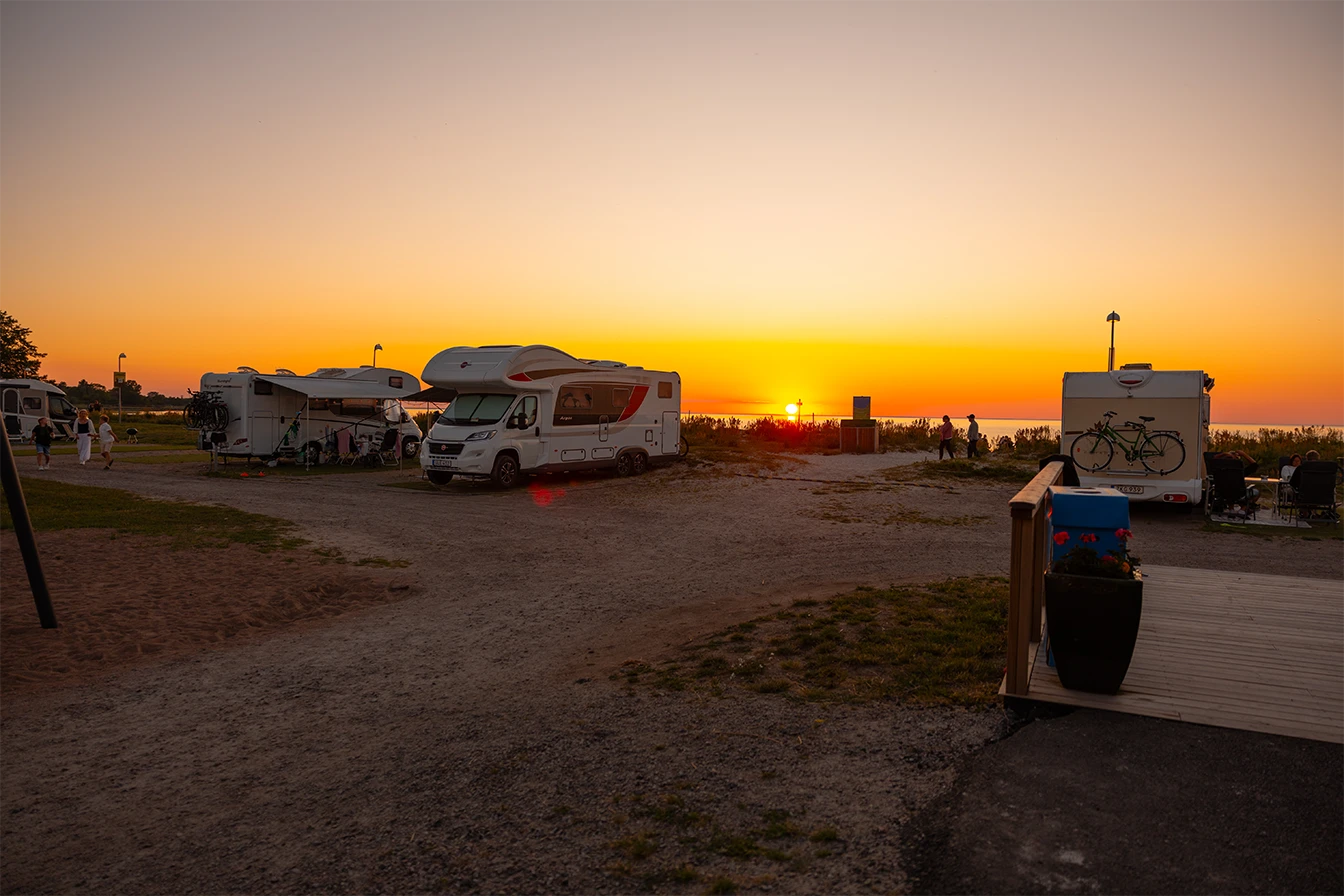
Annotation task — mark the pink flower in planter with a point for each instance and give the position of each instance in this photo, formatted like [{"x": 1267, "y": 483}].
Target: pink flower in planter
[
  {"x": 1061, "y": 537},
  {"x": 1124, "y": 534},
  {"x": 1109, "y": 559},
  {"x": 1088, "y": 538}
]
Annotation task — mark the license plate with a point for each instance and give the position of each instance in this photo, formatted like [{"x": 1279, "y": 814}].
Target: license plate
[
  {"x": 441, "y": 462},
  {"x": 1129, "y": 489}
]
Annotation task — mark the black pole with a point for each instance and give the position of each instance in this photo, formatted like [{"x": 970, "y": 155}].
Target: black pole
[{"x": 23, "y": 528}]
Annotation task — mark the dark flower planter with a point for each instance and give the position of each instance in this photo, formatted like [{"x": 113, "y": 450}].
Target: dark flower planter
[{"x": 1093, "y": 624}]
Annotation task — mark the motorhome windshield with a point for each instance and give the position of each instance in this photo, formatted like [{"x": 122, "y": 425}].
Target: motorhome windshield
[
  {"x": 470, "y": 409},
  {"x": 62, "y": 408}
]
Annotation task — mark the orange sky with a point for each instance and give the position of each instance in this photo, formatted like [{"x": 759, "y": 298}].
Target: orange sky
[{"x": 935, "y": 205}]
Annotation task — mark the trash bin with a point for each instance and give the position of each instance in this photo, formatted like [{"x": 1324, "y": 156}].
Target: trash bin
[{"x": 1080, "y": 511}]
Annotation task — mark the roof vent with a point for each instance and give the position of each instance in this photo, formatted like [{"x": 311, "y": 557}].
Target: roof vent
[
  {"x": 285, "y": 371},
  {"x": 330, "y": 371},
  {"x": 243, "y": 368},
  {"x": 605, "y": 363},
  {"x": 1136, "y": 367}
]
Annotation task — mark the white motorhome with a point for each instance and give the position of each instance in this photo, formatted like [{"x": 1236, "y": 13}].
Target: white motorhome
[
  {"x": 260, "y": 409},
  {"x": 1160, "y": 424},
  {"x": 25, "y": 401},
  {"x": 515, "y": 410}
]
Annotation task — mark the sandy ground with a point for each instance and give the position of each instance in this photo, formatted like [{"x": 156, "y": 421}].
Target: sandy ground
[{"x": 464, "y": 735}]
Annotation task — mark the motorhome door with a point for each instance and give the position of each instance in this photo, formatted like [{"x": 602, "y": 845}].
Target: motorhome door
[
  {"x": 11, "y": 410},
  {"x": 671, "y": 432},
  {"x": 265, "y": 434}
]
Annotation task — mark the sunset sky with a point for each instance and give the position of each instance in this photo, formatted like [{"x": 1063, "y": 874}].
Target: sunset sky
[{"x": 935, "y": 205}]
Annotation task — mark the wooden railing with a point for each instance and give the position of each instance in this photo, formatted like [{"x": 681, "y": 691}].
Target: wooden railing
[{"x": 1026, "y": 575}]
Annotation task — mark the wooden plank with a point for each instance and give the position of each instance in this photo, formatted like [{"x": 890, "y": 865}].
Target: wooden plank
[{"x": 1026, "y": 502}]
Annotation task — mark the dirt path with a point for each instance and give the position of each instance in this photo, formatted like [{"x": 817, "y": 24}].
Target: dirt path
[{"x": 468, "y": 738}]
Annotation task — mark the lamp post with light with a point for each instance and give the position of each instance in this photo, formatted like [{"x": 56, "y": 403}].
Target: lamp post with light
[
  {"x": 377, "y": 348},
  {"x": 120, "y": 379},
  {"x": 1110, "y": 357}
]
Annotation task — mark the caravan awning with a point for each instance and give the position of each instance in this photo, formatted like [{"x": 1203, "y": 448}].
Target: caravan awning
[
  {"x": 334, "y": 387},
  {"x": 433, "y": 393}
]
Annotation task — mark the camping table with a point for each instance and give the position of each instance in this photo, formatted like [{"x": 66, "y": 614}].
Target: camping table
[{"x": 1265, "y": 480}]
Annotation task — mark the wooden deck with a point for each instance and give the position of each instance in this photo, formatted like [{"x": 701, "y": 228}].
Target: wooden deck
[{"x": 1235, "y": 650}]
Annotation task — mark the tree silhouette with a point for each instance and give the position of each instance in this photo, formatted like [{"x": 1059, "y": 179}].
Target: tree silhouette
[{"x": 19, "y": 358}]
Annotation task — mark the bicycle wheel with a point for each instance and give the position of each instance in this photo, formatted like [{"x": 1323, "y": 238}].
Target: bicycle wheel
[
  {"x": 1162, "y": 453},
  {"x": 1092, "y": 451}
]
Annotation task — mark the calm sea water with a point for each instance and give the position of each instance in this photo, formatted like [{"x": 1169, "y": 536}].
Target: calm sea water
[{"x": 991, "y": 427}]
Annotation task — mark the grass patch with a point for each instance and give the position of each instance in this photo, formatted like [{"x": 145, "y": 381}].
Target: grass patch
[
  {"x": 964, "y": 470},
  {"x": 57, "y": 505},
  {"x": 938, "y": 644}
]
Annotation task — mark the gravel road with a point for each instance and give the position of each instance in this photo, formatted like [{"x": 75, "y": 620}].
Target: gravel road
[{"x": 469, "y": 738}]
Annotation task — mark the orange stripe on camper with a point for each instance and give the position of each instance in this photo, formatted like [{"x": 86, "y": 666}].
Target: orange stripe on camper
[{"x": 635, "y": 401}]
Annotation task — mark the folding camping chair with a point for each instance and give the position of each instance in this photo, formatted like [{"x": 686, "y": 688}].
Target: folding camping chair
[
  {"x": 1228, "y": 496},
  {"x": 387, "y": 449},
  {"x": 1314, "y": 490}
]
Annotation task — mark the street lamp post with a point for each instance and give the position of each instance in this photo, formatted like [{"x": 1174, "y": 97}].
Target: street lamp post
[
  {"x": 1110, "y": 357},
  {"x": 119, "y": 382},
  {"x": 376, "y": 349}
]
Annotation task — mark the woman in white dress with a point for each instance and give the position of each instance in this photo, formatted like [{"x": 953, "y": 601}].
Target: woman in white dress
[{"x": 84, "y": 436}]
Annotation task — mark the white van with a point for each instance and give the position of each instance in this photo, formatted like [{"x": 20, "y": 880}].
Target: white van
[
  {"x": 521, "y": 409},
  {"x": 1156, "y": 430},
  {"x": 25, "y": 401},
  {"x": 260, "y": 409}
]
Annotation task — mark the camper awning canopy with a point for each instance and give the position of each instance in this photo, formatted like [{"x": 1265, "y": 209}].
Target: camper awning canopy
[
  {"x": 318, "y": 387},
  {"x": 433, "y": 393}
]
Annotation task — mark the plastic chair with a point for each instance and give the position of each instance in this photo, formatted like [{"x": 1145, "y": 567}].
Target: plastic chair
[{"x": 387, "y": 449}]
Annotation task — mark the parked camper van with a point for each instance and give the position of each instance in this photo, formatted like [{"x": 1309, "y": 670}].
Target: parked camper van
[
  {"x": 25, "y": 401},
  {"x": 260, "y": 409},
  {"x": 1154, "y": 429},
  {"x": 522, "y": 409}
]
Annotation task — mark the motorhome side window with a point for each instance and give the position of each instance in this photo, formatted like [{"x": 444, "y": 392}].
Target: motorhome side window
[
  {"x": 263, "y": 387},
  {"x": 359, "y": 407},
  {"x": 32, "y": 403},
  {"x": 664, "y": 390},
  {"x": 575, "y": 398},
  {"x": 319, "y": 404},
  {"x": 590, "y": 403}
]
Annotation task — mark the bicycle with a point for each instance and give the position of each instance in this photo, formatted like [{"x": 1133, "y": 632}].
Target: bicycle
[{"x": 1160, "y": 451}]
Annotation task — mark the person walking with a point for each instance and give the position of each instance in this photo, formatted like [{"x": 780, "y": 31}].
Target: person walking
[
  {"x": 945, "y": 438},
  {"x": 84, "y": 436},
  {"x": 105, "y": 439},
  {"x": 972, "y": 437},
  {"x": 42, "y": 434}
]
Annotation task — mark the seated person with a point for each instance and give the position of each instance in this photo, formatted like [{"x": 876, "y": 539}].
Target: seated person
[{"x": 1291, "y": 467}]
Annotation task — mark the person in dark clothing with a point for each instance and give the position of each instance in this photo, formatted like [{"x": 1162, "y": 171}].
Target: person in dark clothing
[
  {"x": 945, "y": 438},
  {"x": 1251, "y": 468},
  {"x": 972, "y": 437},
  {"x": 41, "y": 437}
]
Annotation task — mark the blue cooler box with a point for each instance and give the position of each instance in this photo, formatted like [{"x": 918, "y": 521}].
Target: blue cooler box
[{"x": 1099, "y": 511}]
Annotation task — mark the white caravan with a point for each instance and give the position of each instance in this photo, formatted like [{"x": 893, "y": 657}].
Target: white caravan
[
  {"x": 1159, "y": 431},
  {"x": 522, "y": 409},
  {"x": 25, "y": 401},
  {"x": 262, "y": 407}
]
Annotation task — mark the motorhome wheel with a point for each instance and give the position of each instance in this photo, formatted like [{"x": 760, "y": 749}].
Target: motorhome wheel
[
  {"x": 410, "y": 446},
  {"x": 625, "y": 464},
  {"x": 439, "y": 477},
  {"x": 641, "y": 463},
  {"x": 505, "y": 473},
  {"x": 683, "y": 447},
  {"x": 313, "y": 453}
]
